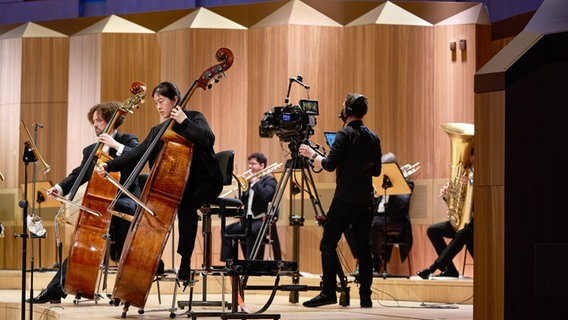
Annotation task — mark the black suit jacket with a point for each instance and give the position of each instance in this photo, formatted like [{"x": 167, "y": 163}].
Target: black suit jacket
[
  {"x": 129, "y": 141},
  {"x": 205, "y": 181},
  {"x": 264, "y": 190}
]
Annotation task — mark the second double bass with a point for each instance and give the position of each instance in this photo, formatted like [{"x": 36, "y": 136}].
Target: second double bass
[
  {"x": 88, "y": 245},
  {"x": 184, "y": 175}
]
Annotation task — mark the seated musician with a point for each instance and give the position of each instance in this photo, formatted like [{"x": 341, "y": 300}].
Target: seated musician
[
  {"x": 397, "y": 217},
  {"x": 256, "y": 200},
  {"x": 205, "y": 180},
  {"x": 438, "y": 231},
  {"x": 116, "y": 144}
]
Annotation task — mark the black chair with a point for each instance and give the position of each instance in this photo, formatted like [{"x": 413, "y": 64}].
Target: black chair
[
  {"x": 223, "y": 207},
  {"x": 395, "y": 239}
]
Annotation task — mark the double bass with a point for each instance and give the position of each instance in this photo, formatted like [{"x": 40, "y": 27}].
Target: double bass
[
  {"x": 87, "y": 249},
  {"x": 161, "y": 195}
]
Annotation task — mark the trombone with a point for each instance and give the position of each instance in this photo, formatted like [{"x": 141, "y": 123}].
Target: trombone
[
  {"x": 246, "y": 176},
  {"x": 31, "y": 144},
  {"x": 408, "y": 170}
]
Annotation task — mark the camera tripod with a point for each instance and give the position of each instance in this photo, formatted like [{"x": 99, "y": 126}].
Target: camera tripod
[{"x": 296, "y": 221}]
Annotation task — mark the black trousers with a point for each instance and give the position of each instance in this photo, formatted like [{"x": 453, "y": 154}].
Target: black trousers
[
  {"x": 228, "y": 245},
  {"x": 340, "y": 216},
  {"x": 446, "y": 252}
]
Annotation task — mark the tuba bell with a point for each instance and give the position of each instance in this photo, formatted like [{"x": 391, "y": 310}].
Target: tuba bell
[{"x": 460, "y": 194}]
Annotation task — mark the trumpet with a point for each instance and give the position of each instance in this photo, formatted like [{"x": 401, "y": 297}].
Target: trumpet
[
  {"x": 31, "y": 145},
  {"x": 408, "y": 170},
  {"x": 246, "y": 176}
]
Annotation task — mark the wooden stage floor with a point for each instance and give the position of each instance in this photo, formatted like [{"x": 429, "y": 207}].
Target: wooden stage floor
[{"x": 393, "y": 298}]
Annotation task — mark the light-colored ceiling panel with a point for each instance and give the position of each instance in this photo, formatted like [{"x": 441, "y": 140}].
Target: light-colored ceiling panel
[
  {"x": 114, "y": 24},
  {"x": 31, "y": 30},
  {"x": 474, "y": 15},
  {"x": 297, "y": 13},
  {"x": 389, "y": 13},
  {"x": 204, "y": 19}
]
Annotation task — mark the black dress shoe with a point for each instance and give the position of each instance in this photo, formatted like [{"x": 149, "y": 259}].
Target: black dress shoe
[
  {"x": 424, "y": 274},
  {"x": 449, "y": 273},
  {"x": 46, "y": 296},
  {"x": 184, "y": 274},
  {"x": 161, "y": 268},
  {"x": 366, "y": 302},
  {"x": 320, "y": 300}
]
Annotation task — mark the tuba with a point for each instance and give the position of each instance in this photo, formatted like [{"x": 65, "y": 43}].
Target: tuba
[{"x": 460, "y": 195}]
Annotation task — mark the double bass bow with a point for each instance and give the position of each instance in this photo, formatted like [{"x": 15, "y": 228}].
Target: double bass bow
[
  {"x": 88, "y": 244},
  {"x": 162, "y": 195}
]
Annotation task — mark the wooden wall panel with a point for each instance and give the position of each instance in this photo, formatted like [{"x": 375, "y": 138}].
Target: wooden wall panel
[
  {"x": 10, "y": 98},
  {"x": 34, "y": 77},
  {"x": 277, "y": 53},
  {"x": 44, "y": 101},
  {"x": 268, "y": 75},
  {"x": 83, "y": 93},
  {"x": 395, "y": 73},
  {"x": 127, "y": 58},
  {"x": 489, "y": 238},
  {"x": 45, "y": 74},
  {"x": 489, "y": 234},
  {"x": 315, "y": 52},
  {"x": 186, "y": 54},
  {"x": 490, "y": 133},
  {"x": 453, "y": 92}
]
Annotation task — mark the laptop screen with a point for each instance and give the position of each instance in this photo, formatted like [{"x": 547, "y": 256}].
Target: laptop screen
[{"x": 329, "y": 137}]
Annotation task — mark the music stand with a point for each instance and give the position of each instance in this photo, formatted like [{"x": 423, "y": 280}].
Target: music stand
[
  {"x": 38, "y": 199},
  {"x": 392, "y": 182}
]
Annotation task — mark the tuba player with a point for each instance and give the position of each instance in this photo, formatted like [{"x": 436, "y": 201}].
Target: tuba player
[{"x": 438, "y": 231}]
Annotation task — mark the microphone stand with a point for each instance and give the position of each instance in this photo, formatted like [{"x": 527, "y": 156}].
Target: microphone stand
[
  {"x": 34, "y": 181},
  {"x": 39, "y": 199},
  {"x": 28, "y": 157},
  {"x": 386, "y": 184}
]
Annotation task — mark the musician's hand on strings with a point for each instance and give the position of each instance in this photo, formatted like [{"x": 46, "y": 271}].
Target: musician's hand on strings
[
  {"x": 178, "y": 115},
  {"x": 100, "y": 169},
  {"x": 105, "y": 138}
]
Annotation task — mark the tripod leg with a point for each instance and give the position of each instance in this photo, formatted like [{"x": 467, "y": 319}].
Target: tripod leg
[{"x": 273, "y": 207}]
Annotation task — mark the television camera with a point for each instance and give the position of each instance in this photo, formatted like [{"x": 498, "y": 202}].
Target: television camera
[{"x": 291, "y": 122}]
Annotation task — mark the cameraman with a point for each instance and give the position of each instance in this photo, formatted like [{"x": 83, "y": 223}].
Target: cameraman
[{"x": 356, "y": 154}]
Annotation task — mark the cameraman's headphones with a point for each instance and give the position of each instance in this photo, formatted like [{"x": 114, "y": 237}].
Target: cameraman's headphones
[{"x": 349, "y": 108}]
